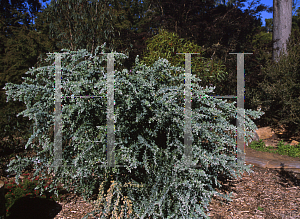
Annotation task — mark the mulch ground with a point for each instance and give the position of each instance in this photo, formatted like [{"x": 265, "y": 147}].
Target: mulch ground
[{"x": 266, "y": 193}]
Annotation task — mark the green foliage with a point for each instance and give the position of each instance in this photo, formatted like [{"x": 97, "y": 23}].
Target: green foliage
[
  {"x": 269, "y": 24},
  {"x": 81, "y": 24},
  {"x": 261, "y": 39},
  {"x": 166, "y": 45},
  {"x": 280, "y": 89},
  {"x": 20, "y": 49},
  {"x": 262, "y": 52},
  {"x": 21, "y": 52},
  {"x": 149, "y": 135},
  {"x": 296, "y": 20},
  {"x": 260, "y": 208},
  {"x": 204, "y": 24},
  {"x": 292, "y": 151},
  {"x": 289, "y": 150}
]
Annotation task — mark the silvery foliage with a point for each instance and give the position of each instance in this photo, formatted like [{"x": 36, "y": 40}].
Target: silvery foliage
[{"x": 141, "y": 100}]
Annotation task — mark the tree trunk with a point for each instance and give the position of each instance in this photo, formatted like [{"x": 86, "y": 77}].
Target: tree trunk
[{"x": 282, "y": 26}]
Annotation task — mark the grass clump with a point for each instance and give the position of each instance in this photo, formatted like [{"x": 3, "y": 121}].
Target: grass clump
[{"x": 282, "y": 149}]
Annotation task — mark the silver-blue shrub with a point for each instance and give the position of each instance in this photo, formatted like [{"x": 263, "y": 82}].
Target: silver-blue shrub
[{"x": 145, "y": 105}]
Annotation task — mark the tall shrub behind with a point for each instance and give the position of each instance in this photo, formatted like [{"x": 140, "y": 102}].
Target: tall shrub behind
[
  {"x": 149, "y": 136},
  {"x": 166, "y": 45},
  {"x": 280, "y": 96}
]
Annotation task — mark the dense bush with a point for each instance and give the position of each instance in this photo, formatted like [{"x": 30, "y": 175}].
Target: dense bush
[
  {"x": 280, "y": 88},
  {"x": 166, "y": 45},
  {"x": 149, "y": 135}
]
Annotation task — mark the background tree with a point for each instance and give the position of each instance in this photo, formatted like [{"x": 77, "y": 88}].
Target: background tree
[
  {"x": 20, "y": 47},
  {"x": 117, "y": 26},
  {"x": 33, "y": 6},
  {"x": 282, "y": 26},
  {"x": 296, "y": 20},
  {"x": 132, "y": 36},
  {"x": 81, "y": 25},
  {"x": 13, "y": 16},
  {"x": 280, "y": 90}
]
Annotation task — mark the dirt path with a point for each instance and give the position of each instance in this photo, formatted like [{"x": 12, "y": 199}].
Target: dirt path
[{"x": 269, "y": 156}]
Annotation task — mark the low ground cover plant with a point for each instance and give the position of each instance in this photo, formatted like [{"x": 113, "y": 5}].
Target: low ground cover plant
[
  {"x": 292, "y": 151},
  {"x": 149, "y": 136}
]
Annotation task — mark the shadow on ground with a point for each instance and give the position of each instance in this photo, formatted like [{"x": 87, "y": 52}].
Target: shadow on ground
[
  {"x": 34, "y": 208},
  {"x": 289, "y": 178},
  {"x": 286, "y": 179}
]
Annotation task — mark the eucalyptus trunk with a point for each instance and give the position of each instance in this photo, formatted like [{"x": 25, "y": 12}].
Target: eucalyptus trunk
[{"x": 282, "y": 26}]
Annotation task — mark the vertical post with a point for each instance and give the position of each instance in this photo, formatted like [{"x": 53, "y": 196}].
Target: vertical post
[
  {"x": 58, "y": 118},
  {"x": 110, "y": 110},
  {"x": 240, "y": 106},
  {"x": 188, "y": 136}
]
